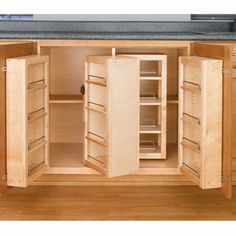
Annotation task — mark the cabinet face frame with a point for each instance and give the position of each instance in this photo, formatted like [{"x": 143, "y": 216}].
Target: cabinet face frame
[
  {"x": 23, "y": 124},
  {"x": 200, "y": 120}
]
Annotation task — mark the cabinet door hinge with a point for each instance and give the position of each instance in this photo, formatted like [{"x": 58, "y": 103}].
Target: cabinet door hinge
[
  {"x": 4, "y": 177},
  {"x": 3, "y": 69},
  {"x": 223, "y": 179},
  {"x": 224, "y": 71}
]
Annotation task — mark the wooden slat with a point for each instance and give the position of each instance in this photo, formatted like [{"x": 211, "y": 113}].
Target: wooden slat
[
  {"x": 191, "y": 87},
  {"x": 191, "y": 145},
  {"x": 90, "y": 81},
  {"x": 36, "y": 115},
  {"x": 36, "y": 144},
  {"x": 150, "y": 78},
  {"x": 193, "y": 120},
  {"x": 96, "y": 141},
  {"x": 95, "y": 109},
  {"x": 95, "y": 166},
  {"x": 191, "y": 174},
  {"x": 36, "y": 85},
  {"x": 65, "y": 99}
]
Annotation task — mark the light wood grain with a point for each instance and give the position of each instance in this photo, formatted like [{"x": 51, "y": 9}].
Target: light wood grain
[
  {"x": 66, "y": 123},
  {"x": 22, "y": 137},
  {"x": 116, "y": 203},
  {"x": 153, "y": 91},
  {"x": 122, "y": 113},
  {"x": 66, "y": 155},
  {"x": 114, "y": 43},
  {"x": 201, "y": 144},
  {"x": 8, "y": 50},
  {"x": 66, "y": 99},
  {"x": 224, "y": 52}
]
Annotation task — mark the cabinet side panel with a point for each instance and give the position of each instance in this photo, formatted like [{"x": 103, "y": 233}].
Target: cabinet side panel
[
  {"x": 16, "y": 123},
  {"x": 212, "y": 124},
  {"x": 223, "y": 53},
  {"x": 8, "y": 50},
  {"x": 123, "y": 117}
]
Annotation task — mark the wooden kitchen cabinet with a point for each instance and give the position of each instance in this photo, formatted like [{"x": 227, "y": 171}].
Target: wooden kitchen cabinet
[{"x": 118, "y": 114}]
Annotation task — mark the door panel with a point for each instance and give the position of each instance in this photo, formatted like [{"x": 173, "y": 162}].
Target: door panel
[
  {"x": 223, "y": 53},
  {"x": 8, "y": 50},
  {"x": 112, "y": 115},
  {"x": 27, "y": 119},
  {"x": 200, "y": 113}
]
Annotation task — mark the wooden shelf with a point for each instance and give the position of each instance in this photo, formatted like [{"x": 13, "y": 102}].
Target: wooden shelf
[
  {"x": 149, "y": 75},
  {"x": 172, "y": 99},
  {"x": 149, "y": 150},
  {"x": 150, "y": 129},
  {"x": 170, "y": 162},
  {"x": 150, "y": 101},
  {"x": 150, "y": 153},
  {"x": 65, "y": 99}
]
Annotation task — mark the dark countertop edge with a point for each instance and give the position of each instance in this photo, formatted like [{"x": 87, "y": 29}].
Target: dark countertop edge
[{"x": 114, "y": 36}]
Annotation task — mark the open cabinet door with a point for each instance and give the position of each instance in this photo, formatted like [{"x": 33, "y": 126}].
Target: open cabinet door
[
  {"x": 224, "y": 53},
  {"x": 8, "y": 50},
  {"x": 27, "y": 119},
  {"x": 112, "y": 115},
  {"x": 200, "y": 113}
]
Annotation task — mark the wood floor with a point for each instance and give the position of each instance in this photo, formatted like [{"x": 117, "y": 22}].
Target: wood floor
[{"x": 116, "y": 203}]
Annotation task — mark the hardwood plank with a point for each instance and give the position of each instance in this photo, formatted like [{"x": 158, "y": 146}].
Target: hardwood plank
[
  {"x": 65, "y": 99},
  {"x": 116, "y": 203}
]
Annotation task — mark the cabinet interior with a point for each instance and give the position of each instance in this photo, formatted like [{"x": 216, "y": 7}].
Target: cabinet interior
[{"x": 66, "y": 123}]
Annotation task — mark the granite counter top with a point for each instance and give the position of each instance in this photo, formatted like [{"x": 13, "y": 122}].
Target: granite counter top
[{"x": 109, "y": 30}]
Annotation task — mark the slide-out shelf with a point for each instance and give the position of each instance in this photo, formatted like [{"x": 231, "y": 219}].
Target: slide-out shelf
[
  {"x": 149, "y": 75},
  {"x": 149, "y": 127},
  {"x": 65, "y": 99},
  {"x": 149, "y": 150},
  {"x": 150, "y": 101}
]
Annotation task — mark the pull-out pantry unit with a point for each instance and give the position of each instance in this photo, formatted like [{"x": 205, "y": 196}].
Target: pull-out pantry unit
[{"x": 113, "y": 111}]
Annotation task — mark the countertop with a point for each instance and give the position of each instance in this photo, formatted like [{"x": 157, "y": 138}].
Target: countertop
[{"x": 122, "y": 30}]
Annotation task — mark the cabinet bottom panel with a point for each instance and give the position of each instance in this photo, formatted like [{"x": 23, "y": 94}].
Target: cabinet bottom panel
[{"x": 66, "y": 155}]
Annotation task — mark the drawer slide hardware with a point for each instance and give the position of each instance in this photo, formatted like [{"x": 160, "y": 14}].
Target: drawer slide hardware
[
  {"x": 4, "y": 177},
  {"x": 3, "y": 69},
  {"x": 223, "y": 179},
  {"x": 224, "y": 71}
]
